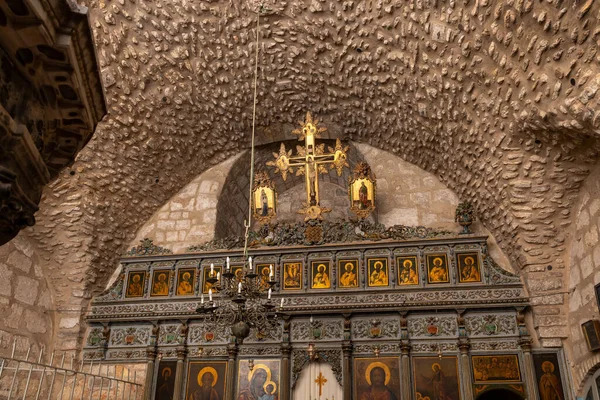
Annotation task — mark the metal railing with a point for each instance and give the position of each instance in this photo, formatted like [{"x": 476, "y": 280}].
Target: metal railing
[{"x": 64, "y": 378}]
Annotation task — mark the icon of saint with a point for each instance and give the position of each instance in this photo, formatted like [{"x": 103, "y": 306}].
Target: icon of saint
[
  {"x": 264, "y": 201},
  {"x": 438, "y": 273},
  {"x": 135, "y": 287},
  {"x": 160, "y": 286},
  {"x": 166, "y": 388},
  {"x": 264, "y": 278},
  {"x": 256, "y": 389},
  {"x": 363, "y": 196},
  {"x": 377, "y": 378},
  {"x": 185, "y": 285},
  {"x": 378, "y": 276},
  {"x": 408, "y": 273},
  {"x": 321, "y": 279},
  {"x": 239, "y": 275},
  {"x": 437, "y": 382},
  {"x": 348, "y": 278},
  {"x": 469, "y": 272},
  {"x": 207, "y": 378},
  {"x": 550, "y": 388},
  {"x": 292, "y": 276}
]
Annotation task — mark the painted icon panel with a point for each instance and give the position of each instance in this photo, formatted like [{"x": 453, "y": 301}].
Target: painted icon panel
[
  {"x": 361, "y": 194},
  {"x": 320, "y": 275},
  {"x": 238, "y": 272},
  {"x": 377, "y": 378},
  {"x": 263, "y": 270},
  {"x": 292, "y": 275},
  {"x": 185, "y": 281},
  {"x": 437, "y": 268},
  {"x": 378, "y": 272},
  {"x": 136, "y": 281},
  {"x": 497, "y": 368},
  {"x": 206, "y": 286},
  {"x": 469, "y": 269},
  {"x": 408, "y": 270},
  {"x": 207, "y": 380},
  {"x": 348, "y": 273},
  {"x": 264, "y": 202},
  {"x": 160, "y": 282},
  {"x": 262, "y": 382},
  {"x": 165, "y": 381},
  {"x": 549, "y": 377},
  {"x": 436, "y": 378}
]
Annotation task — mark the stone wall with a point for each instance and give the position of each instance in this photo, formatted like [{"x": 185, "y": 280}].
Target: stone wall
[
  {"x": 584, "y": 274},
  {"x": 26, "y": 306},
  {"x": 188, "y": 218}
]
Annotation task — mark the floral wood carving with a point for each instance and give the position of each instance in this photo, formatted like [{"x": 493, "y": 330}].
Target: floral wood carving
[
  {"x": 332, "y": 357},
  {"x": 293, "y": 234},
  {"x": 146, "y": 248}
]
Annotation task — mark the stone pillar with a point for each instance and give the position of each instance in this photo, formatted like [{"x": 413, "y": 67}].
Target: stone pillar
[
  {"x": 150, "y": 357},
  {"x": 286, "y": 378},
  {"x": 465, "y": 378},
  {"x": 181, "y": 353},
  {"x": 232, "y": 352},
  {"x": 347, "y": 369},
  {"x": 405, "y": 367}
]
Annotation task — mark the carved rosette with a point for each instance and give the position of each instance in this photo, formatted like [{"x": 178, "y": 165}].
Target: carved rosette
[{"x": 362, "y": 189}]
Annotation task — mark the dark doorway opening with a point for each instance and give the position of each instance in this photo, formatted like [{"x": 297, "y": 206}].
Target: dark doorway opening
[{"x": 499, "y": 394}]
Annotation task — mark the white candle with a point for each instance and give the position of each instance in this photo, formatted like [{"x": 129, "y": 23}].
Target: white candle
[
  {"x": 269, "y": 293},
  {"x": 209, "y": 294},
  {"x": 239, "y": 287},
  {"x": 227, "y": 263},
  {"x": 218, "y": 275},
  {"x": 202, "y": 299},
  {"x": 271, "y": 271},
  {"x": 311, "y": 319},
  {"x": 250, "y": 262},
  {"x": 212, "y": 269},
  {"x": 281, "y": 303}
]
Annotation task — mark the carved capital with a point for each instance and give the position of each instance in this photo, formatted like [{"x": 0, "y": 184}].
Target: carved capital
[
  {"x": 232, "y": 351},
  {"x": 405, "y": 347},
  {"x": 347, "y": 347},
  {"x": 525, "y": 343},
  {"x": 286, "y": 350},
  {"x": 464, "y": 345},
  {"x": 151, "y": 353},
  {"x": 181, "y": 352}
]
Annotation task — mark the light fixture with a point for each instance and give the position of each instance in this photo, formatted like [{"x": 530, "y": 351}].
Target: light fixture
[
  {"x": 242, "y": 303},
  {"x": 312, "y": 352},
  {"x": 376, "y": 351}
]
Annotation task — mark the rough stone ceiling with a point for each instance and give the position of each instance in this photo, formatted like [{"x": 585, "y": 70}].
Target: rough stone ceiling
[{"x": 498, "y": 98}]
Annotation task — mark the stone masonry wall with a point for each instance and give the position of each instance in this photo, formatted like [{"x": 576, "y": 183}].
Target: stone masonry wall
[
  {"x": 188, "y": 218},
  {"x": 26, "y": 306},
  {"x": 584, "y": 274}
]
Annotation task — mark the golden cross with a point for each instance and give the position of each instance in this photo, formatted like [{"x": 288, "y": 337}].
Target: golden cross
[
  {"x": 310, "y": 161},
  {"x": 320, "y": 381}
]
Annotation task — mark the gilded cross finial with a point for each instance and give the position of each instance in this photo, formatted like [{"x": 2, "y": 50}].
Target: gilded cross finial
[{"x": 311, "y": 161}]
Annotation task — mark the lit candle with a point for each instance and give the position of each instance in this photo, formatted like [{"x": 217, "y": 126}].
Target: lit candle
[
  {"x": 239, "y": 287},
  {"x": 311, "y": 319},
  {"x": 269, "y": 293},
  {"x": 212, "y": 269},
  {"x": 218, "y": 275},
  {"x": 250, "y": 262},
  {"x": 209, "y": 294},
  {"x": 281, "y": 303},
  {"x": 271, "y": 271},
  {"x": 202, "y": 299},
  {"x": 227, "y": 264}
]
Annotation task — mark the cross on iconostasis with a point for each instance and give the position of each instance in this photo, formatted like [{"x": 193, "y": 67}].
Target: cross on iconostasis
[
  {"x": 310, "y": 162},
  {"x": 320, "y": 381}
]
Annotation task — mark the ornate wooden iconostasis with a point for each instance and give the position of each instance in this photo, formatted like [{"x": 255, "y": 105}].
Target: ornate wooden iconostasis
[
  {"x": 364, "y": 312},
  {"x": 416, "y": 313}
]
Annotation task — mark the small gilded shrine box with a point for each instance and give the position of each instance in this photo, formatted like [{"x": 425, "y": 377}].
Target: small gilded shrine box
[{"x": 591, "y": 330}]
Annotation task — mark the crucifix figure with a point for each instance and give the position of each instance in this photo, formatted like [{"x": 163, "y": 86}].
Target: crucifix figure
[
  {"x": 310, "y": 162},
  {"x": 320, "y": 381}
]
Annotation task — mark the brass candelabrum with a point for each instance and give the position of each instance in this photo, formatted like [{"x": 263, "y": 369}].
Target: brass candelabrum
[{"x": 241, "y": 301}]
